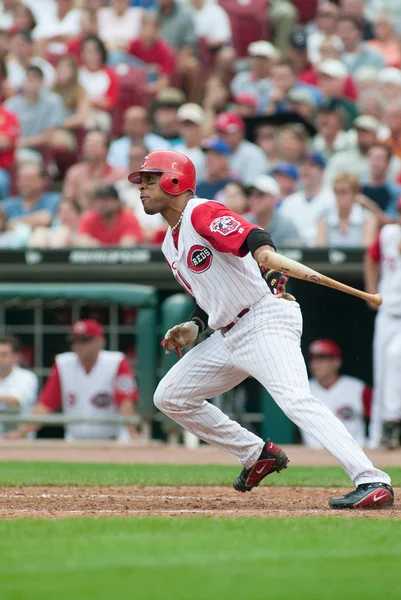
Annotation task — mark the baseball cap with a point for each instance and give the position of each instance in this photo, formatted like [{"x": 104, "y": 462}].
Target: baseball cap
[
  {"x": 262, "y": 48},
  {"x": 216, "y": 144},
  {"x": 301, "y": 95},
  {"x": 298, "y": 38},
  {"x": 191, "y": 112},
  {"x": 106, "y": 191},
  {"x": 333, "y": 68},
  {"x": 267, "y": 185},
  {"x": 390, "y": 75},
  {"x": 315, "y": 157},
  {"x": 247, "y": 98},
  {"x": 170, "y": 97},
  {"x": 366, "y": 122},
  {"x": 325, "y": 347},
  {"x": 286, "y": 169},
  {"x": 229, "y": 122},
  {"x": 87, "y": 328}
]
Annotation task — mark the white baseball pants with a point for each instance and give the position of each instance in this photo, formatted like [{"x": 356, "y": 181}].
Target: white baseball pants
[{"x": 265, "y": 344}]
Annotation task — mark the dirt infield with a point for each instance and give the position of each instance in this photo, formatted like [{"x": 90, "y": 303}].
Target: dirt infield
[{"x": 56, "y": 502}]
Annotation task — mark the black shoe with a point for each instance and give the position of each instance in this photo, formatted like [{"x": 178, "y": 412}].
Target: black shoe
[
  {"x": 271, "y": 460},
  {"x": 366, "y": 495},
  {"x": 391, "y": 435}
]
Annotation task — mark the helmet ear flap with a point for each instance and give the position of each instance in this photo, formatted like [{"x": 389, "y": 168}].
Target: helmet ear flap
[{"x": 170, "y": 184}]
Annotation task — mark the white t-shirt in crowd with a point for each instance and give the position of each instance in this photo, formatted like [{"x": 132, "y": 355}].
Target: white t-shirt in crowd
[
  {"x": 113, "y": 27},
  {"x": 345, "y": 400},
  {"x": 23, "y": 385},
  {"x": 17, "y": 72},
  {"x": 212, "y": 23},
  {"x": 306, "y": 212},
  {"x": 51, "y": 26}
]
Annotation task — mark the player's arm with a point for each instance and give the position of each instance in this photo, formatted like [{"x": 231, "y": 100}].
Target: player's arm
[
  {"x": 372, "y": 266},
  {"x": 49, "y": 401}
]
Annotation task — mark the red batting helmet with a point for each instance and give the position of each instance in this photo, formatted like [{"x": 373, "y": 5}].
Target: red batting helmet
[{"x": 178, "y": 171}]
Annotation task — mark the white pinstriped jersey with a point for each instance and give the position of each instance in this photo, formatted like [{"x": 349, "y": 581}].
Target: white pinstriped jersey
[
  {"x": 222, "y": 283},
  {"x": 387, "y": 250}
]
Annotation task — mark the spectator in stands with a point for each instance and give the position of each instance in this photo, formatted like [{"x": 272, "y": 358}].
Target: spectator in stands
[
  {"x": 266, "y": 137},
  {"x": 374, "y": 8},
  {"x": 287, "y": 177},
  {"x": 109, "y": 223},
  {"x": 24, "y": 19},
  {"x": 292, "y": 143},
  {"x": 245, "y": 105},
  {"x": 5, "y": 88},
  {"x": 178, "y": 30},
  {"x": 297, "y": 53},
  {"x": 62, "y": 21},
  {"x": 99, "y": 82},
  {"x": 118, "y": 24},
  {"x": 89, "y": 381},
  {"x": 306, "y": 206},
  {"x": 379, "y": 187},
  {"x": 325, "y": 28},
  {"x": 33, "y": 206},
  {"x": 212, "y": 25},
  {"x": 21, "y": 56},
  {"x": 393, "y": 122},
  {"x": 332, "y": 80},
  {"x": 355, "y": 9},
  {"x": 81, "y": 179},
  {"x": 347, "y": 224},
  {"x": 217, "y": 95},
  {"x": 218, "y": 173},
  {"x": 151, "y": 50},
  {"x": 75, "y": 99},
  {"x": 258, "y": 79},
  {"x": 347, "y": 397},
  {"x": 18, "y": 387},
  {"x": 235, "y": 198},
  {"x": 129, "y": 194},
  {"x": 165, "y": 117},
  {"x": 331, "y": 137},
  {"x": 88, "y": 28},
  {"x": 356, "y": 53},
  {"x": 366, "y": 128},
  {"x": 247, "y": 160},
  {"x": 191, "y": 118},
  {"x": 63, "y": 234},
  {"x": 38, "y": 110},
  {"x": 283, "y": 14},
  {"x": 263, "y": 198},
  {"x": 372, "y": 104},
  {"x": 136, "y": 128},
  {"x": 13, "y": 235},
  {"x": 385, "y": 41},
  {"x": 300, "y": 101},
  {"x": 9, "y": 132},
  {"x": 389, "y": 84}
]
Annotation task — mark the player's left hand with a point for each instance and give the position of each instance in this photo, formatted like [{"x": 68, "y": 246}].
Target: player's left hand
[
  {"x": 276, "y": 282},
  {"x": 179, "y": 337}
]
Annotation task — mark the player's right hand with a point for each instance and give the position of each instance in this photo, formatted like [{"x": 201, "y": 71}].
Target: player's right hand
[{"x": 179, "y": 337}]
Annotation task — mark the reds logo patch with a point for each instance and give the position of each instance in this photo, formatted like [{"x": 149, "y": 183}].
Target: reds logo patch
[
  {"x": 125, "y": 385},
  {"x": 346, "y": 413},
  {"x": 199, "y": 259},
  {"x": 224, "y": 225},
  {"x": 102, "y": 400}
]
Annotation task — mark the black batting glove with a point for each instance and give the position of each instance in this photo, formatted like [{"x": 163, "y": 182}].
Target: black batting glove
[{"x": 275, "y": 280}]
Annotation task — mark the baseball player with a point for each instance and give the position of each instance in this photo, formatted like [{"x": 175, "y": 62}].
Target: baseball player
[
  {"x": 87, "y": 382},
  {"x": 347, "y": 397},
  {"x": 383, "y": 273},
  {"x": 213, "y": 253}
]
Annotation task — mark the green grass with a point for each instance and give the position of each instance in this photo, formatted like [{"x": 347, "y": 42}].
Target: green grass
[
  {"x": 88, "y": 474},
  {"x": 200, "y": 559}
]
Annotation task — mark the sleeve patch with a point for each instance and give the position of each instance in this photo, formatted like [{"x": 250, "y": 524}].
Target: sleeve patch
[
  {"x": 224, "y": 225},
  {"x": 125, "y": 385}
]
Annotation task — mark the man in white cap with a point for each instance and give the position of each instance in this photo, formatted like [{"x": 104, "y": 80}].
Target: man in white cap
[
  {"x": 258, "y": 79},
  {"x": 357, "y": 160},
  {"x": 263, "y": 200},
  {"x": 191, "y": 118}
]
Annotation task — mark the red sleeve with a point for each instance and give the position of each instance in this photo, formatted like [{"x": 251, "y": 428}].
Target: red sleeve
[
  {"x": 125, "y": 387},
  {"x": 85, "y": 224},
  {"x": 223, "y": 229},
  {"x": 132, "y": 228},
  {"x": 132, "y": 48},
  {"x": 113, "y": 92},
  {"x": 350, "y": 89},
  {"x": 10, "y": 128},
  {"x": 51, "y": 393},
  {"x": 367, "y": 397},
  {"x": 374, "y": 250}
]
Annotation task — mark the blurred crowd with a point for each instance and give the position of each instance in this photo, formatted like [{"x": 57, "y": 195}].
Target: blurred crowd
[{"x": 290, "y": 111}]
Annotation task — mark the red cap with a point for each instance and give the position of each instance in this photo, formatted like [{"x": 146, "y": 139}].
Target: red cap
[
  {"x": 324, "y": 348},
  {"x": 248, "y": 99},
  {"x": 229, "y": 122},
  {"x": 87, "y": 328}
]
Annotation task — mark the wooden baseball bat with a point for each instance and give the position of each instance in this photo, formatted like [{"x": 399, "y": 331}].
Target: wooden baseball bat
[{"x": 278, "y": 262}]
